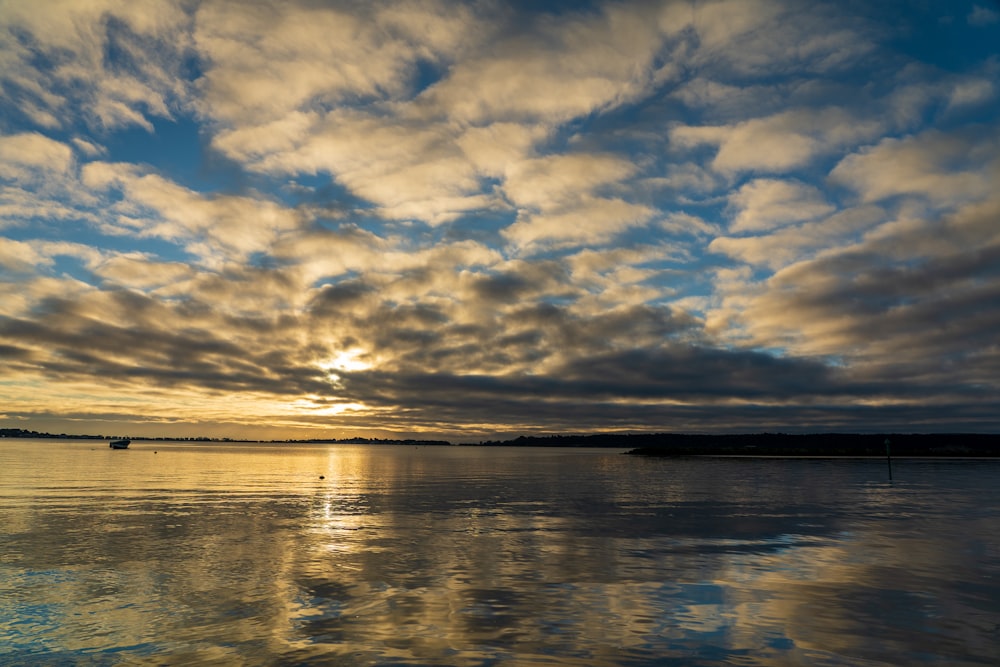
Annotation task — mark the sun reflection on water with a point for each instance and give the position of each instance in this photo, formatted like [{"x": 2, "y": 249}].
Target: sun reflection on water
[{"x": 377, "y": 556}]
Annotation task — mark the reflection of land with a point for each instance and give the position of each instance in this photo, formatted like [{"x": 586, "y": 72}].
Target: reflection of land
[
  {"x": 464, "y": 558},
  {"x": 820, "y": 444}
]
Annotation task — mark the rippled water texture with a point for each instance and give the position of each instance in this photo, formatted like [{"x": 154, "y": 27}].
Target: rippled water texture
[{"x": 172, "y": 553}]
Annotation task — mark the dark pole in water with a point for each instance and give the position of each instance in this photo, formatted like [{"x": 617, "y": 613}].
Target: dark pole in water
[{"x": 888, "y": 458}]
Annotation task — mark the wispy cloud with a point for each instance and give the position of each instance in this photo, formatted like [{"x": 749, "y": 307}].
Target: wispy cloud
[
  {"x": 983, "y": 16},
  {"x": 104, "y": 63}
]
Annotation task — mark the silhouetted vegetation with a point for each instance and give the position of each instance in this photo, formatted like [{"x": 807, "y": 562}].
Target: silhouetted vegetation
[
  {"x": 372, "y": 441},
  {"x": 24, "y": 433},
  {"x": 776, "y": 444},
  {"x": 677, "y": 444}
]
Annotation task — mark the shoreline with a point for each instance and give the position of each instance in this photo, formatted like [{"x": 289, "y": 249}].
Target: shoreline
[{"x": 818, "y": 445}]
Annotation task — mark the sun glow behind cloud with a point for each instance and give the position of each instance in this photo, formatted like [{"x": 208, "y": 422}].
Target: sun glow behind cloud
[
  {"x": 430, "y": 217},
  {"x": 347, "y": 360}
]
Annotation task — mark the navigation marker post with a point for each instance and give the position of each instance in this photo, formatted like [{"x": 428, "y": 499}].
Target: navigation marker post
[{"x": 888, "y": 458}]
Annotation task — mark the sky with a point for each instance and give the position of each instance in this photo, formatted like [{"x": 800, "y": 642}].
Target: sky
[{"x": 324, "y": 219}]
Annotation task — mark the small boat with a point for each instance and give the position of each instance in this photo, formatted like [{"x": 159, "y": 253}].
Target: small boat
[{"x": 120, "y": 444}]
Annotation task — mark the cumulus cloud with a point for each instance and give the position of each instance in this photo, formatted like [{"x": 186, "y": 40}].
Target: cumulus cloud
[
  {"x": 417, "y": 158},
  {"x": 554, "y": 70},
  {"x": 559, "y": 202},
  {"x": 493, "y": 147},
  {"x": 910, "y": 303},
  {"x": 781, "y": 142},
  {"x": 265, "y": 61},
  {"x": 20, "y": 257},
  {"x": 410, "y": 171},
  {"x": 498, "y": 214},
  {"x": 590, "y": 220},
  {"x": 139, "y": 271},
  {"x": 31, "y": 155},
  {"x": 941, "y": 168},
  {"x": 764, "y": 204},
  {"x": 216, "y": 229},
  {"x": 796, "y": 242},
  {"x": 288, "y": 101},
  {"x": 971, "y": 92},
  {"x": 553, "y": 181},
  {"x": 39, "y": 183}
]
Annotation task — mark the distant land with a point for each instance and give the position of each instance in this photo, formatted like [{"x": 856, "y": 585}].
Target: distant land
[
  {"x": 778, "y": 444},
  {"x": 23, "y": 433},
  {"x": 677, "y": 444}
]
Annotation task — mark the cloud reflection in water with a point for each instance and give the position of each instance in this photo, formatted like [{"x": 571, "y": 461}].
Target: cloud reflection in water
[{"x": 466, "y": 556}]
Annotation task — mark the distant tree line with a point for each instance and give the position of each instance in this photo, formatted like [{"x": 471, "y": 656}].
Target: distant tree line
[
  {"x": 371, "y": 441},
  {"x": 24, "y": 433},
  {"x": 681, "y": 444},
  {"x": 776, "y": 444}
]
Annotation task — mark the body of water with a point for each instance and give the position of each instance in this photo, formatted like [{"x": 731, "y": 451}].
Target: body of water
[{"x": 182, "y": 553}]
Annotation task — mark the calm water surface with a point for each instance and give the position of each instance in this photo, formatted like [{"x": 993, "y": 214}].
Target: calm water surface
[{"x": 172, "y": 553}]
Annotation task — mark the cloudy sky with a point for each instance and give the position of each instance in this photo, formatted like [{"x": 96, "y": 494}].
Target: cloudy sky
[{"x": 429, "y": 218}]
